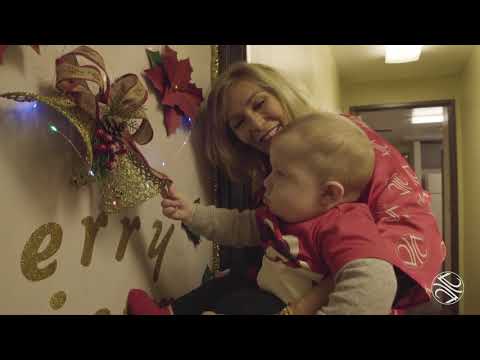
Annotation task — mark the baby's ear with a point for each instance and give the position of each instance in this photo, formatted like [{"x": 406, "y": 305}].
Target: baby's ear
[{"x": 333, "y": 193}]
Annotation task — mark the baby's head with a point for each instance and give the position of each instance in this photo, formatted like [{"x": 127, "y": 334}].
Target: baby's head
[{"x": 318, "y": 161}]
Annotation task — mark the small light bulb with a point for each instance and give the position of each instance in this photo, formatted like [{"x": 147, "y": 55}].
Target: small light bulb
[
  {"x": 35, "y": 105},
  {"x": 53, "y": 128},
  {"x": 163, "y": 163},
  {"x": 91, "y": 173},
  {"x": 114, "y": 203}
]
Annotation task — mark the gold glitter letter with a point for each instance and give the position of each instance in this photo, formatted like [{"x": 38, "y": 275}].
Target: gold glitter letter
[
  {"x": 31, "y": 257},
  {"x": 103, "y": 311},
  {"x": 126, "y": 234},
  {"x": 91, "y": 230},
  {"x": 160, "y": 251},
  {"x": 58, "y": 300}
]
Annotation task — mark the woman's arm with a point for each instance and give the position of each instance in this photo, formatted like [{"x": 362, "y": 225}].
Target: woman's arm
[{"x": 362, "y": 287}]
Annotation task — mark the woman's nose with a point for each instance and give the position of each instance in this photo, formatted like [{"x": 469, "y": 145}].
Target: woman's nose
[{"x": 255, "y": 121}]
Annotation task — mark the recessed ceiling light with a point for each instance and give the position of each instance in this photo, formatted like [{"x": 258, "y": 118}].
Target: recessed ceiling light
[{"x": 396, "y": 54}]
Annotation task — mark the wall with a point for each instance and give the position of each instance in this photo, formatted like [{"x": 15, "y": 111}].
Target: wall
[
  {"x": 35, "y": 169},
  {"x": 391, "y": 92},
  {"x": 402, "y": 91},
  {"x": 471, "y": 180},
  {"x": 310, "y": 67}
]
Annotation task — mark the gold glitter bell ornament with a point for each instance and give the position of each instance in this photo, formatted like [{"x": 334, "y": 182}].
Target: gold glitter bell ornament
[{"x": 103, "y": 128}]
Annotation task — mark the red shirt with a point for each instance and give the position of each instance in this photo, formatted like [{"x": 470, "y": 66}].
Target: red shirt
[{"x": 406, "y": 232}]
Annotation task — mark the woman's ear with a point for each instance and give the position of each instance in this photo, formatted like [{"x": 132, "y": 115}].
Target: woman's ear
[{"x": 333, "y": 193}]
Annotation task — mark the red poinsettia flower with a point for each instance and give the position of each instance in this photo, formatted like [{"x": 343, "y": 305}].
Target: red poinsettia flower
[
  {"x": 179, "y": 96},
  {"x": 4, "y": 47}
]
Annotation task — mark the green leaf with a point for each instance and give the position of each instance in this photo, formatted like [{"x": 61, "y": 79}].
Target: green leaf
[{"x": 154, "y": 58}]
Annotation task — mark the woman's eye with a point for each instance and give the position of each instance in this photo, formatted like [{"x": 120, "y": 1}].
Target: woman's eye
[
  {"x": 237, "y": 123},
  {"x": 257, "y": 105}
]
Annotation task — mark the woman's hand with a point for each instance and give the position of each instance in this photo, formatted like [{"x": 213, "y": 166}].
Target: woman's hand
[
  {"x": 175, "y": 206},
  {"x": 311, "y": 302}
]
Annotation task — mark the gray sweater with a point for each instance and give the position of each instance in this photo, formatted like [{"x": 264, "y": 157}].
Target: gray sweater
[{"x": 362, "y": 287}]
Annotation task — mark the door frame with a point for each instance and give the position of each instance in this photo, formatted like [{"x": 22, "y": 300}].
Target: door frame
[{"x": 452, "y": 140}]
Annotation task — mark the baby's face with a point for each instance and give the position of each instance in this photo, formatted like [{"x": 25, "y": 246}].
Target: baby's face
[{"x": 293, "y": 192}]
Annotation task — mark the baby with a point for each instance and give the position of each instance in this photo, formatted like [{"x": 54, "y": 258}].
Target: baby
[{"x": 312, "y": 225}]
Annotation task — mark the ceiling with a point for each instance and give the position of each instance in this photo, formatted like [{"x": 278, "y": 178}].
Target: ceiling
[
  {"x": 363, "y": 63},
  {"x": 394, "y": 125}
]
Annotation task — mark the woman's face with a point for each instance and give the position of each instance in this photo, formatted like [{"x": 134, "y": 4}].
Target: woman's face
[{"x": 254, "y": 115}]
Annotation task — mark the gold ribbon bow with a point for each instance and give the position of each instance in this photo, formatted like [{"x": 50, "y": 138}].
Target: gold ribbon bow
[{"x": 115, "y": 106}]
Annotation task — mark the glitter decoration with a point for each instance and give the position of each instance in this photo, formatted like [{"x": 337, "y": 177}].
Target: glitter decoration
[
  {"x": 103, "y": 311},
  {"x": 91, "y": 231},
  {"x": 129, "y": 184},
  {"x": 158, "y": 225},
  {"x": 58, "y": 300},
  {"x": 80, "y": 138},
  {"x": 31, "y": 257},
  {"x": 128, "y": 229},
  {"x": 160, "y": 250}
]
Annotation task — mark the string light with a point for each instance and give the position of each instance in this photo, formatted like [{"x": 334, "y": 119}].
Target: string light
[
  {"x": 53, "y": 128},
  {"x": 26, "y": 107},
  {"x": 91, "y": 173}
]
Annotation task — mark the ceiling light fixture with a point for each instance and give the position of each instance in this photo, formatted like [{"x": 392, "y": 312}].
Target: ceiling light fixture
[{"x": 396, "y": 54}]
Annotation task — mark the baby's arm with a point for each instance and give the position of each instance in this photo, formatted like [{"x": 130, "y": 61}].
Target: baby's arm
[{"x": 229, "y": 227}]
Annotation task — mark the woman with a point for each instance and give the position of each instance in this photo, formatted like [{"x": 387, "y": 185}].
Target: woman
[{"x": 249, "y": 104}]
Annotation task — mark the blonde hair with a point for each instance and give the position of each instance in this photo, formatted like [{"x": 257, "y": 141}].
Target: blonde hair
[
  {"x": 223, "y": 149},
  {"x": 333, "y": 147}
]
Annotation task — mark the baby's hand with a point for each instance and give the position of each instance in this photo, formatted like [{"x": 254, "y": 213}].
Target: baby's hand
[{"x": 175, "y": 206}]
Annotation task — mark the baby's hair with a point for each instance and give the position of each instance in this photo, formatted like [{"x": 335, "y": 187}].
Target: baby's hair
[{"x": 333, "y": 147}]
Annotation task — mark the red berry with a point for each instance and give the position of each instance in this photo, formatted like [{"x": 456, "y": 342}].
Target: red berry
[
  {"x": 100, "y": 132},
  {"x": 101, "y": 147},
  {"x": 111, "y": 164}
]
